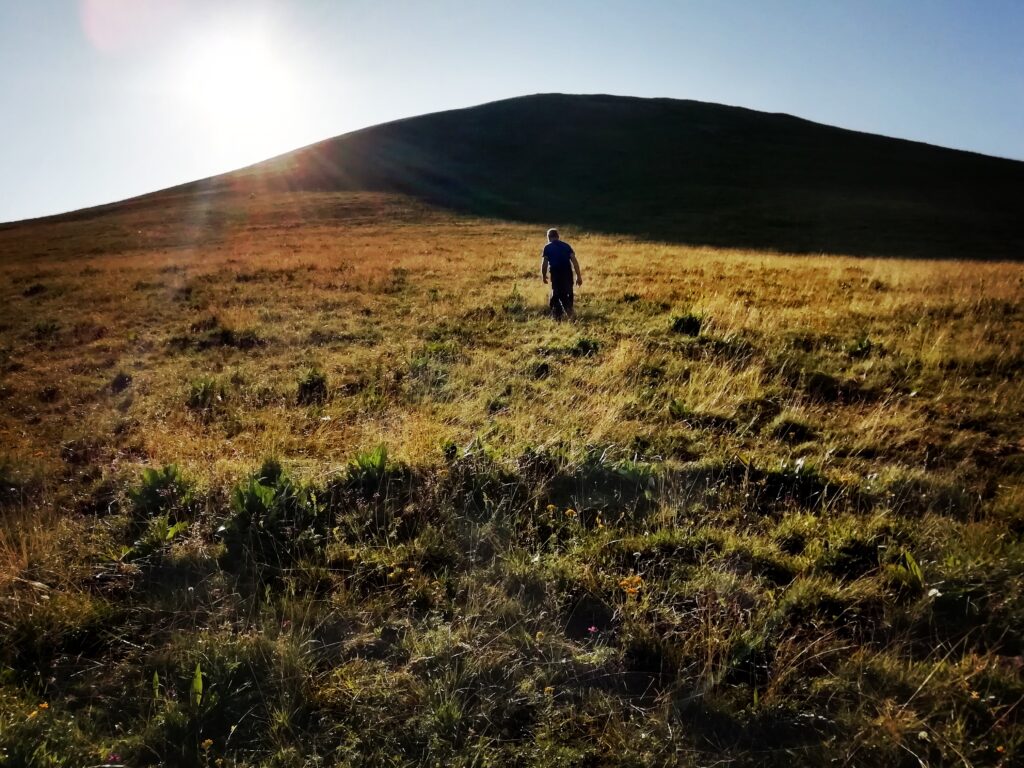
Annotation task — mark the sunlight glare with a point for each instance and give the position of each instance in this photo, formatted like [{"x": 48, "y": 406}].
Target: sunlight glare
[{"x": 240, "y": 90}]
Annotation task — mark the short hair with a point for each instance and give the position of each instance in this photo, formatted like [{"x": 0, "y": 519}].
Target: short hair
[{"x": 552, "y": 233}]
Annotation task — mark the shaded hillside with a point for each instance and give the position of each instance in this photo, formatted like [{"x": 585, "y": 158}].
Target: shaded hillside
[{"x": 682, "y": 171}]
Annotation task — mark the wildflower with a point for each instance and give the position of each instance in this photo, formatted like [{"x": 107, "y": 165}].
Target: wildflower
[
  {"x": 1000, "y": 749},
  {"x": 975, "y": 696},
  {"x": 592, "y": 629},
  {"x": 552, "y": 509},
  {"x": 631, "y": 585},
  {"x": 570, "y": 513},
  {"x": 549, "y": 691},
  {"x": 207, "y": 743},
  {"x": 44, "y": 705},
  {"x": 539, "y": 636},
  {"x": 32, "y": 714}
]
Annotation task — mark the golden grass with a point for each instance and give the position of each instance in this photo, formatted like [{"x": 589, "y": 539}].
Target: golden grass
[{"x": 905, "y": 377}]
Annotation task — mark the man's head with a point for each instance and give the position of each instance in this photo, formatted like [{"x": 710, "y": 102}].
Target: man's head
[{"x": 552, "y": 235}]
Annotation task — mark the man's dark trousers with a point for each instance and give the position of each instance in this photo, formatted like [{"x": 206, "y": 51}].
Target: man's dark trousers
[{"x": 561, "y": 292}]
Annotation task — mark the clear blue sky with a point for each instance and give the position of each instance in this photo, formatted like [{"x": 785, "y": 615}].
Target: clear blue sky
[{"x": 106, "y": 99}]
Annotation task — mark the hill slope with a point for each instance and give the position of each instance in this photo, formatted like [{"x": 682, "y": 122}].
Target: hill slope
[
  {"x": 665, "y": 169},
  {"x": 683, "y": 171}
]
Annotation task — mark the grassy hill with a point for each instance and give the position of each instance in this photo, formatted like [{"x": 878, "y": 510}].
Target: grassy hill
[
  {"x": 683, "y": 171},
  {"x": 294, "y": 475},
  {"x": 665, "y": 169}
]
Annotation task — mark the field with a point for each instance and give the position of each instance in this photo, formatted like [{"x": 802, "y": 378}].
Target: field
[{"x": 311, "y": 479}]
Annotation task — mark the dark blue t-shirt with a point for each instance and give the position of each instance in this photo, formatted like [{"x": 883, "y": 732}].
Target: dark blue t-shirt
[{"x": 557, "y": 252}]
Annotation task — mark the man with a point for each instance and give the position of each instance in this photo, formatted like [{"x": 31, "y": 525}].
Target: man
[{"x": 560, "y": 257}]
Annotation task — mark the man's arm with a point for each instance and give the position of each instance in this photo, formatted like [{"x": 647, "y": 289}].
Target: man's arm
[
  {"x": 576, "y": 266},
  {"x": 544, "y": 268}
]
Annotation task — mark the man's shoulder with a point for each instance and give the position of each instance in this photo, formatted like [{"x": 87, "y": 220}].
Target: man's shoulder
[{"x": 558, "y": 246}]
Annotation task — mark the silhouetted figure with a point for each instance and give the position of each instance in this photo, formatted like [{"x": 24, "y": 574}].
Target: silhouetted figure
[{"x": 561, "y": 259}]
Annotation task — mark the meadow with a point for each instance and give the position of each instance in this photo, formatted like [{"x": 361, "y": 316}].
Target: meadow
[{"x": 312, "y": 479}]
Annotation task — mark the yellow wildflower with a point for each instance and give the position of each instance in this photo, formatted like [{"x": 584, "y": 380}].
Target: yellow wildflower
[
  {"x": 631, "y": 585},
  {"x": 207, "y": 743}
]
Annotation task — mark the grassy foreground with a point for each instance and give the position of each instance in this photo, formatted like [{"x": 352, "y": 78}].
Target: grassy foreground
[{"x": 313, "y": 481}]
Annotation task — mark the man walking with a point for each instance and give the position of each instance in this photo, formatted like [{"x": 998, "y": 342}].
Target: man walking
[{"x": 560, "y": 257}]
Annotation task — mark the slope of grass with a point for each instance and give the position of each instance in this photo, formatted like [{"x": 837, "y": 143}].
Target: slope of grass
[
  {"x": 668, "y": 170},
  {"x": 312, "y": 480}
]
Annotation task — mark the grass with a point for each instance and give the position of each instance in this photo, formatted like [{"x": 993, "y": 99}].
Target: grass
[{"x": 328, "y": 453}]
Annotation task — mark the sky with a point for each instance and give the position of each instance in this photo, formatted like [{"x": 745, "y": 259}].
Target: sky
[{"x": 101, "y": 100}]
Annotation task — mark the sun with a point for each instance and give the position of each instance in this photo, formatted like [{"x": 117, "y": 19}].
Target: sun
[{"x": 242, "y": 94}]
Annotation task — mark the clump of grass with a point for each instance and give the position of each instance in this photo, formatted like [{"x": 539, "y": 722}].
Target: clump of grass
[
  {"x": 203, "y": 395},
  {"x": 35, "y": 289},
  {"x": 689, "y": 324},
  {"x": 46, "y": 330},
  {"x": 515, "y": 303},
  {"x": 862, "y": 347},
  {"x": 792, "y": 428},
  {"x": 312, "y": 388},
  {"x": 159, "y": 532},
  {"x": 585, "y": 347},
  {"x": 905, "y": 576},
  {"x": 120, "y": 382},
  {"x": 161, "y": 492},
  {"x": 49, "y": 393},
  {"x": 275, "y": 520},
  {"x": 826, "y": 387},
  {"x": 372, "y": 473}
]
